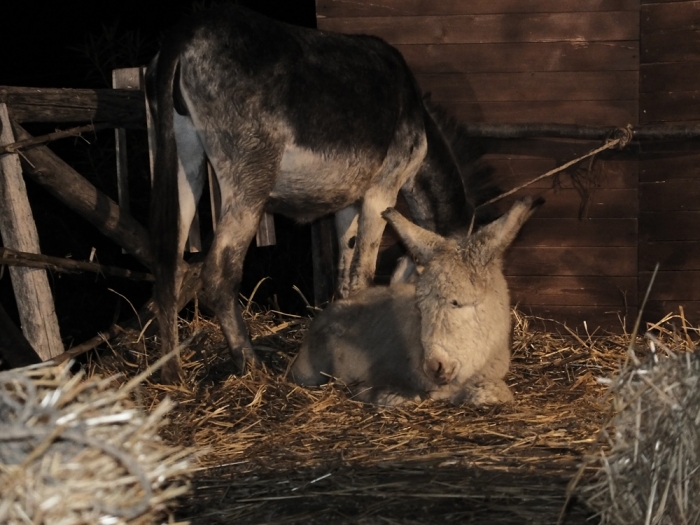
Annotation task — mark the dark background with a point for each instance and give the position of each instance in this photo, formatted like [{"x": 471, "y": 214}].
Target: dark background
[{"x": 76, "y": 44}]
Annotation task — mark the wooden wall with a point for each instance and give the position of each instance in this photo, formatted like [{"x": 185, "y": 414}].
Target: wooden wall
[
  {"x": 562, "y": 61},
  {"x": 669, "y": 183}
]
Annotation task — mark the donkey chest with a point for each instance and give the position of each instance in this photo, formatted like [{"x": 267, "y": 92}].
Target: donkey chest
[{"x": 310, "y": 184}]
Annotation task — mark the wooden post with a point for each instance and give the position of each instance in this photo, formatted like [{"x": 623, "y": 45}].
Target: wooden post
[
  {"x": 323, "y": 257},
  {"x": 31, "y": 285}
]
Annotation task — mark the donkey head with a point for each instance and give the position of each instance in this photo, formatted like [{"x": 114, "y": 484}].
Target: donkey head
[{"x": 461, "y": 292}]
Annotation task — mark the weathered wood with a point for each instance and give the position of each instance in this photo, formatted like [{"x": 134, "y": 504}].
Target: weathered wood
[
  {"x": 15, "y": 350},
  {"x": 533, "y": 85},
  {"x": 494, "y": 28},
  {"x": 602, "y": 261},
  {"x": 671, "y": 256},
  {"x": 665, "y": 77},
  {"x": 72, "y": 189},
  {"x": 680, "y": 46},
  {"x": 31, "y": 286},
  {"x": 674, "y": 195},
  {"x": 60, "y": 264},
  {"x": 609, "y": 112},
  {"x": 501, "y": 58},
  {"x": 569, "y": 203},
  {"x": 265, "y": 236},
  {"x": 672, "y": 285},
  {"x": 574, "y": 290},
  {"x": 679, "y": 16},
  {"x": 127, "y": 78},
  {"x": 398, "y": 8},
  {"x": 670, "y": 107},
  {"x": 669, "y": 226},
  {"x": 50, "y": 137},
  {"x": 511, "y": 171},
  {"x": 118, "y": 106},
  {"x": 670, "y": 166},
  {"x": 657, "y": 310},
  {"x": 323, "y": 258},
  {"x": 574, "y": 232}
]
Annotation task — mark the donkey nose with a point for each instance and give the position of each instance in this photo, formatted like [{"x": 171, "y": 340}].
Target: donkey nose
[{"x": 441, "y": 370}]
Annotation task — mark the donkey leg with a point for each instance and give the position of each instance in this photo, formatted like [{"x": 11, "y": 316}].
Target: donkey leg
[
  {"x": 222, "y": 273},
  {"x": 190, "y": 178},
  {"x": 346, "y": 228},
  {"x": 402, "y": 163}
]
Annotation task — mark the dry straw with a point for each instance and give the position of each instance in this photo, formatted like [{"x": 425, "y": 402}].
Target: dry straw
[
  {"x": 647, "y": 469},
  {"x": 80, "y": 451}
]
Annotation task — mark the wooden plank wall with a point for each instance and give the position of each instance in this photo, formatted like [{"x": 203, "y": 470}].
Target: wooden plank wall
[
  {"x": 563, "y": 61},
  {"x": 669, "y": 186}
]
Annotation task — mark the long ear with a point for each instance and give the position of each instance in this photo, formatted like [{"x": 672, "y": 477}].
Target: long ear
[
  {"x": 420, "y": 243},
  {"x": 494, "y": 238}
]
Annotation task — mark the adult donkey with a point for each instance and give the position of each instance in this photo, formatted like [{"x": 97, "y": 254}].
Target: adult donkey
[
  {"x": 293, "y": 121},
  {"x": 446, "y": 336}
]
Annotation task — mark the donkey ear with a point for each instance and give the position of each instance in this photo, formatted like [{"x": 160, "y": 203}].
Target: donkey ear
[
  {"x": 495, "y": 237},
  {"x": 420, "y": 243}
]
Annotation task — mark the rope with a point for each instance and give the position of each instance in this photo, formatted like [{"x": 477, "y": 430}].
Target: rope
[{"x": 624, "y": 137}]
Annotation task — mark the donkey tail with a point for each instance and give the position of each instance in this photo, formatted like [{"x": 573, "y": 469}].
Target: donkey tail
[{"x": 165, "y": 207}]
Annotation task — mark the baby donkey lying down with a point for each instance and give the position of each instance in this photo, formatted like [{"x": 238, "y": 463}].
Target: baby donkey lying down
[{"x": 446, "y": 336}]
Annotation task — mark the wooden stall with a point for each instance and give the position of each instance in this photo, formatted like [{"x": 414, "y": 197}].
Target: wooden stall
[{"x": 587, "y": 255}]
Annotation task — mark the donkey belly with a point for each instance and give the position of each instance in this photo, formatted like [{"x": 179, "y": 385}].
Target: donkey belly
[{"x": 312, "y": 184}]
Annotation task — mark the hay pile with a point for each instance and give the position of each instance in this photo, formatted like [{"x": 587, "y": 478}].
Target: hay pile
[
  {"x": 79, "y": 451},
  {"x": 279, "y": 453},
  {"x": 648, "y": 469}
]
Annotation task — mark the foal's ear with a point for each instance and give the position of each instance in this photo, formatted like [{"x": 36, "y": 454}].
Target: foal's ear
[
  {"x": 420, "y": 243},
  {"x": 494, "y": 238}
]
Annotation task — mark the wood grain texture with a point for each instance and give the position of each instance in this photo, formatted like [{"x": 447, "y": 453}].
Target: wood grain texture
[
  {"x": 674, "y": 195},
  {"x": 603, "y": 113},
  {"x": 574, "y": 232},
  {"x": 574, "y": 261},
  {"x": 662, "y": 18},
  {"x": 533, "y": 85},
  {"x": 680, "y": 106},
  {"x": 121, "y": 107},
  {"x": 669, "y": 226},
  {"x": 574, "y": 290},
  {"x": 493, "y": 28},
  {"x": 671, "y": 256},
  {"x": 668, "y": 76},
  {"x": 523, "y": 57},
  {"x": 678, "y": 46},
  {"x": 362, "y": 8}
]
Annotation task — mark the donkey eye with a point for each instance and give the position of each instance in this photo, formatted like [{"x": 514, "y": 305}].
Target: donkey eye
[{"x": 456, "y": 304}]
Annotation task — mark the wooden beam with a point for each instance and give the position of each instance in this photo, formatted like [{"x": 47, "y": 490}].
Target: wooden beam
[
  {"x": 31, "y": 286},
  {"x": 120, "y": 106}
]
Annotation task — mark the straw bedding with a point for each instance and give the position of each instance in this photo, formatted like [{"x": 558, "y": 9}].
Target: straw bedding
[
  {"x": 279, "y": 453},
  {"x": 273, "y": 452}
]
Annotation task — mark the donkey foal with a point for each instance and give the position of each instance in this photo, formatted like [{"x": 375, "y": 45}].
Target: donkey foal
[{"x": 445, "y": 337}]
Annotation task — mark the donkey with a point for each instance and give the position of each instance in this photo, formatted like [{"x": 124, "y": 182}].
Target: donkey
[
  {"x": 446, "y": 336},
  {"x": 293, "y": 121}
]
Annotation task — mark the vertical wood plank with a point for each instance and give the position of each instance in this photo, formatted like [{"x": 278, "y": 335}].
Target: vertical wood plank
[{"x": 31, "y": 286}]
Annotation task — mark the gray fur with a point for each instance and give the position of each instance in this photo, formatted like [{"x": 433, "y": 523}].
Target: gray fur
[
  {"x": 294, "y": 121},
  {"x": 446, "y": 336}
]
